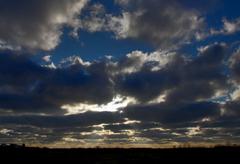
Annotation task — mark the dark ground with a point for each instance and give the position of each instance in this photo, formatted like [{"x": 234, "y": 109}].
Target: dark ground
[{"x": 193, "y": 155}]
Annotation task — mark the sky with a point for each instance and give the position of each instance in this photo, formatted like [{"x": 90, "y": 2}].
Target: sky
[{"x": 119, "y": 73}]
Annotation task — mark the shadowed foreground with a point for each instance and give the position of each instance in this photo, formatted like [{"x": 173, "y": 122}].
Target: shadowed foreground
[{"x": 20, "y": 153}]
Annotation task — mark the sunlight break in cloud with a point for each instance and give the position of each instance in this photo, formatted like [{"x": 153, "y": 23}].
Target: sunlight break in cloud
[{"x": 117, "y": 103}]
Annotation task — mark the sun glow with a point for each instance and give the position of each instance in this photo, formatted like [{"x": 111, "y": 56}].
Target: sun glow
[{"x": 117, "y": 103}]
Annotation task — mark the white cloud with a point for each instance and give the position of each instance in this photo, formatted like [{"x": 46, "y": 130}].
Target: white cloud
[
  {"x": 122, "y": 2},
  {"x": 5, "y": 46},
  {"x": 229, "y": 27},
  {"x": 95, "y": 20},
  {"x": 47, "y": 58},
  {"x": 235, "y": 95},
  {"x": 6, "y": 131},
  {"x": 72, "y": 60},
  {"x": 136, "y": 60},
  {"x": 120, "y": 25},
  {"x": 193, "y": 131},
  {"x": 115, "y": 105},
  {"x": 50, "y": 66}
]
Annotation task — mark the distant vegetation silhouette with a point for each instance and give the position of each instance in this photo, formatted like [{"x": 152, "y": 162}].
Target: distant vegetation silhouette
[{"x": 12, "y": 152}]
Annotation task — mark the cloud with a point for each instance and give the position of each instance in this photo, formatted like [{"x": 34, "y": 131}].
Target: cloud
[
  {"x": 161, "y": 94},
  {"x": 72, "y": 60},
  {"x": 95, "y": 18},
  {"x": 5, "y": 131},
  {"x": 28, "y": 87},
  {"x": 135, "y": 61},
  {"x": 47, "y": 58},
  {"x": 159, "y": 120},
  {"x": 122, "y": 2},
  {"x": 202, "y": 77},
  {"x": 21, "y": 68},
  {"x": 138, "y": 98},
  {"x": 36, "y": 25},
  {"x": 61, "y": 121},
  {"x": 234, "y": 63},
  {"x": 229, "y": 27},
  {"x": 165, "y": 24},
  {"x": 181, "y": 79},
  {"x": 232, "y": 108},
  {"x": 79, "y": 83},
  {"x": 169, "y": 113}
]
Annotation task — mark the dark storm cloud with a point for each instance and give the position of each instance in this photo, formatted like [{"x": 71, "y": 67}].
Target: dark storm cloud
[
  {"x": 234, "y": 63},
  {"x": 18, "y": 77},
  {"x": 227, "y": 122},
  {"x": 27, "y": 87},
  {"x": 146, "y": 84},
  {"x": 36, "y": 24},
  {"x": 202, "y": 77},
  {"x": 183, "y": 79},
  {"x": 91, "y": 84},
  {"x": 117, "y": 128},
  {"x": 27, "y": 104},
  {"x": 233, "y": 107},
  {"x": 168, "y": 114},
  {"x": 189, "y": 84},
  {"x": 12, "y": 66},
  {"x": 70, "y": 121}
]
